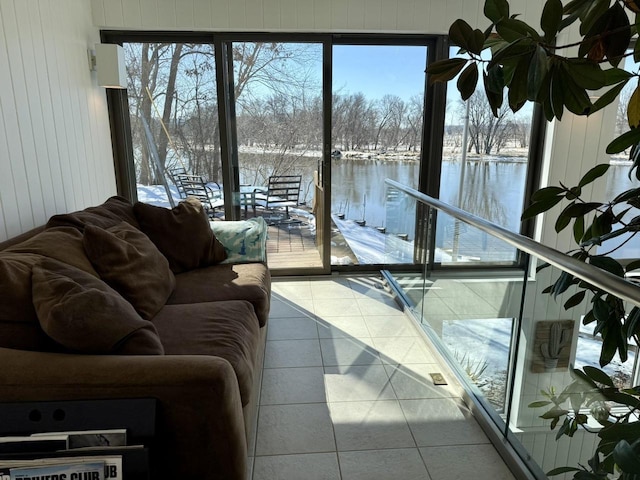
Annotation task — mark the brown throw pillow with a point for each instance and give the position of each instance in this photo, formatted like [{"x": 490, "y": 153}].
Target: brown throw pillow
[
  {"x": 84, "y": 314},
  {"x": 130, "y": 263},
  {"x": 113, "y": 211},
  {"x": 182, "y": 234}
]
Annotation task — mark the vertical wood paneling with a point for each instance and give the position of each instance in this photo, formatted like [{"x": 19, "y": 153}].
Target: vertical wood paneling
[
  {"x": 421, "y": 17},
  {"x": 54, "y": 133},
  {"x": 220, "y": 17},
  {"x": 389, "y": 15},
  {"x": 237, "y": 18},
  {"x": 11, "y": 225},
  {"x": 40, "y": 111},
  {"x": 97, "y": 11},
  {"x": 114, "y": 14},
  {"x": 322, "y": 15},
  {"x": 17, "y": 122},
  {"x": 149, "y": 12},
  {"x": 202, "y": 13},
  {"x": 356, "y": 14},
  {"x": 271, "y": 14},
  {"x": 455, "y": 10},
  {"x": 339, "y": 15},
  {"x": 437, "y": 18},
  {"x": 254, "y": 13},
  {"x": 406, "y": 14},
  {"x": 184, "y": 15},
  {"x": 288, "y": 14},
  {"x": 306, "y": 20},
  {"x": 373, "y": 15},
  {"x": 167, "y": 17},
  {"x": 132, "y": 14}
]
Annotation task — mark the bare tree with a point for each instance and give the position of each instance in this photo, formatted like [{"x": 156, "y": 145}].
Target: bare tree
[{"x": 486, "y": 132}]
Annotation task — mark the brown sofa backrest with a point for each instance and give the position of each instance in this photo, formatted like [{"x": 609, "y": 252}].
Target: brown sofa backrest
[{"x": 60, "y": 239}]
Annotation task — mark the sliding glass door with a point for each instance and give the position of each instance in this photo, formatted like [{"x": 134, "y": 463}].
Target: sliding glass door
[
  {"x": 278, "y": 95},
  {"x": 377, "y": 126}
]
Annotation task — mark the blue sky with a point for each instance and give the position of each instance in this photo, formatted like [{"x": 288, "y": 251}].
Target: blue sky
[{"x": 379, "y": 70}]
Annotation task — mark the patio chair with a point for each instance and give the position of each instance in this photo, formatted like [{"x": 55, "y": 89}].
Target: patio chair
[
  {"x": 283, "y": 191},
  {"x": 195, "y": 186}
]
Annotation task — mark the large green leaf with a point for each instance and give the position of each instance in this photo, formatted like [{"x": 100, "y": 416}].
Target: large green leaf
[
  {"x": 620, "y": 34},
  {"x": 624, "y": 141},
  {"x": 607, "y": 97},
  {"x": 564, "y": 281},
  {"x": 445, "y": 70},
  {"x": 586, "y": 73},
  {"x": 578, "y": 209},
  {"x": 616, "y": 75},
  {"x": 598, "y": 376},
  {"x": 578, "y": 229},
  {"x": 495, "y": 79},
  {"x": 467, "y": 81},
  {"x": 508, "y": 55},
  {"x": 626, "y": 457},
  {"x": 562, "y": 222},
  {"x": 574, "y": 97},
  {"x": 512, "y": 29},
  {"x": 551, "y": 18},
  {"x": 593, "y": 174},
  {"x": 538, "y": 69},
  {"x": 496, "y": 10},
  {"x": 596, "y": 11},
  {"x": 547, "y": 192},
  {"x": 461, "y": 34},
  {"x": 632, "y": 322},
  {"x": 633, "y": 109},
  {"x": 518, "y": 86},
  {"x": 561, "y": 470},
  {"x": 608, "y": 264},
  {"x": 495, "y": 99},
  {"x": 575, "y": 299},
  {"x": 538, "y": 207},
  {"x": 557, "y": 96}
]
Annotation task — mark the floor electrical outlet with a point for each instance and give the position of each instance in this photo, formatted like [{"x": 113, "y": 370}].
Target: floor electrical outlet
[{"x": 438, "y": 379}]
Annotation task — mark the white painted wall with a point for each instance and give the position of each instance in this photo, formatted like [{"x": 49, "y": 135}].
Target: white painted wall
[{"x": 55, "y": 144}]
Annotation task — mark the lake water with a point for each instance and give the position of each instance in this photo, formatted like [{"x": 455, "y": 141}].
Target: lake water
[{"x": 492, "y": 189}]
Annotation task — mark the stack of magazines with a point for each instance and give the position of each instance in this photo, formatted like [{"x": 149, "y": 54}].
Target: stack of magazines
[{"x": 76, "y": 455}]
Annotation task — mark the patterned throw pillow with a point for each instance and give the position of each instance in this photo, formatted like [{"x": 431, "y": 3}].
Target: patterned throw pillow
[{"x": 245, "y": 241}]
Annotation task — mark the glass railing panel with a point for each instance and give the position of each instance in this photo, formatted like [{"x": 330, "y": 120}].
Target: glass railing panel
[
  {"x": 459, "y": 243},
  {"x": 508, "y": 339},
  {"x": 398, "y": 237}
]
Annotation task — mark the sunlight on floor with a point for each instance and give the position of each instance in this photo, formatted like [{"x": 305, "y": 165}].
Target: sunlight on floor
[{"x": 346, "y": 392}]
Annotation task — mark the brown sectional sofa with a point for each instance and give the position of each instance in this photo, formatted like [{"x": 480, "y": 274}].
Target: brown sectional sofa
[{"x": 204, "y": 370}]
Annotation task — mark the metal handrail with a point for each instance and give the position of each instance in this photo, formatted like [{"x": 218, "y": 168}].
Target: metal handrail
[{"x": 597, "y": 277}]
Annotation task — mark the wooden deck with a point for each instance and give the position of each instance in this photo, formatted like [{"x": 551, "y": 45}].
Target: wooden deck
[{"x": 292, "y": 246}]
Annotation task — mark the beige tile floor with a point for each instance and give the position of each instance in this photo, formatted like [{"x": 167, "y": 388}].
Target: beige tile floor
[{"x": 346, "y": 393}]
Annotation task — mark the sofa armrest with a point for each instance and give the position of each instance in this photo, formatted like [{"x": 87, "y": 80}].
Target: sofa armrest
[{"x": 200, "y": 426}]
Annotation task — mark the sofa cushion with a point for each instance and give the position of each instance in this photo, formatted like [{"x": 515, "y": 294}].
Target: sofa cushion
[
  {"x": 248, "y": 281},
  {"x": 110, "y": 213},
  {"x": 130, "y": 263},
  {"x": 223, "y": 329},
  {"x": 19, "y": 327},
  {"x": 182, "y": 234},
  {"x": 84, "y": 314}
]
